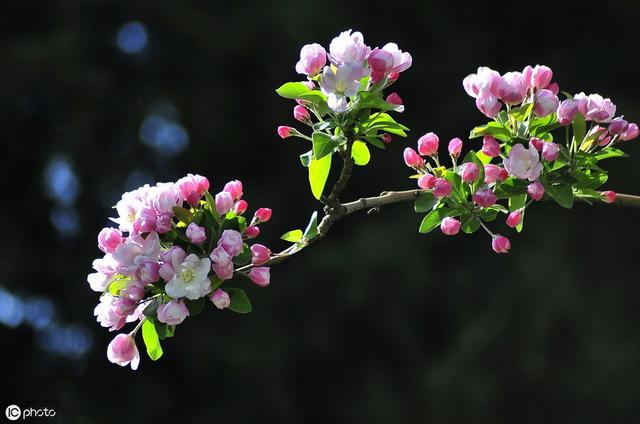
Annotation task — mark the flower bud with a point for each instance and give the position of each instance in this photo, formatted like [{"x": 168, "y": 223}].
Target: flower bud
[
  {"x": 618, "y": 126},
  {"x": 491, "y": 173},
  {"x": 195, "y": 233},
  {"x": 173, "y": 313},
  {"x": 485, "y": 197},
  {"x": 488, "y": 105},
  {"x": 537, "y": 143},
  {"x": 470, "y": 172},
  {"x": 259, "y": 254},
  {"x": 123, "y": 350},
  {"x": 426, "y": 181},
  {"x": 260, "y": 275},
  {"x": 284, "y": 131},
  {"x": 231, "y": 242},
  {"x": 550, "y": 151},
  {"x": 450, "y": 226},
  {"x": 512, "y": 88},
  {"x": 148, "y": 272},
  {"x": 220, "y": 299},
  {"x": 109, "y": 239},
  {"x": 455, "y": 146},
  {"x": 500, "y": 244},
  {"x": 441, "y": 188},
  {"x": 428, "y": 144},
  {"x": 301, "y": 113},
  {"x": 224, "y": 202},
  {"x": 394, "y": 99},
  {"x": 567, "y": 111},
  {"x": 234, "y": 188},
  {"x": 514, "y": 219},
  {"x": 608, "y": 196},
  {"x": 386, "y": 138},
  {"x": 554, "y": 88},
  {"x": 313, "y": 57},
  {"x": 262, "y": 215},
  {"x": 535, "y": 190},
  {"x": 412, "y": 159},
  {"x": 630, "y": 133},
  {"x": 546, "y": 103},
  {"x": 252, "y": 232},
  {"x": 490, "y": 146},
  {"x": 541, "y": 76},
  {"x": 240, "y": 207},
  {"x": 504, "y": 174}
]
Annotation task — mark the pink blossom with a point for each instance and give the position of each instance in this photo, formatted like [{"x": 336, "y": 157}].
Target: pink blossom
[
  {"x": 260, "y": 275},
  {"x": 608, "y": 196},
  {"x": 163, "y": 197},
  {"x": 618, "y": 126},
  {"x": 259, "y": 254},
  {"x": 599, "y": 109},
  {"x": 526, "y": 73},
  {"x": 546, "y": 103},
  {"x": 567, "y": 112},
  {"x": 514, "y": 219},
  {"x": 240, "y": 207},
  {"x": 500, "y": 244},
  {"x": 489, "y": 105},
  {"x": 313, "y": 57},
  {"x": 348, "y": 48},
  {"x": 220, "y": 257},
  {"x": 630, "y": 133},
  {"x": 550, "y": 151},
  {"x": 512, "y": 88},
  {"x": 485, "y": 197},
  {"x": 412, "y": 159},
  {"x": 441, "y": 188},
  {"x": 554, "y": 88},
  {"x": 123, "y": 351},
  {"x": 220, "y": 299},
  {"x": 455, "y": 147},
  {"x": 394, "y": 99},
  {"x": 535, "y": 190},
  {"x": 386, "y": 138},
  {"x": 262, "y": 215},
  {"x": 192, "y": 188},
  {"x": 171, "y": 260},
  {"x": 301, "y": 113},
  {"x": 196, "y": 233},
  {"x": 173, "y": 312},
  {"x": 491, "y": 173},
  {"x": 148, "y": 272},
  {"x": 523, "y": 163},
  {"x": 537, "y": 143},
  {"x": 113, "y": 312},
  {"x": 450, "y": 226},
  {"x": 482, "y": 84},
  {"x": 426, "y": 181},
  {"x": 541, "y": 76},
  {"x": 223, "y": 272},
  {"x": 231, "y": 242},
  {"x": 381, "y": 63},
  {"x": 234, "y": 188},
  {"x": 490, "y": 146},
  {"x": 252, "y": 232},
  {"x": 428, "y": 144},
  {"x": 109, "y": 238},
  {"x": 470, "y": 172},
  {"x": 106, "y": 271},
  {"x": 136, "y": 250},
  {"x": 284, "y": 131},
  {"x": 224, "y": 202}
]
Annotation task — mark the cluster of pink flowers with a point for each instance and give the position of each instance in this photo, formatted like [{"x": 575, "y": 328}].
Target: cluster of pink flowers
[
  {"x": 350, "y": 60},
  {"x": 154, "y": 255}
]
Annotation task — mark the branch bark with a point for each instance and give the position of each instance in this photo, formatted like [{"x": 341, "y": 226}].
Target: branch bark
[{"x": 627, "y": 200}]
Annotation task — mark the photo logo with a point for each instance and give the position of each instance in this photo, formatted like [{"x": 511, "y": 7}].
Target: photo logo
[{"x": 13, "y": 412}]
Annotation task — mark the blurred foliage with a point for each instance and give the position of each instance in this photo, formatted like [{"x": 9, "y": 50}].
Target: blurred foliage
[{"x": 374, "y": 324}]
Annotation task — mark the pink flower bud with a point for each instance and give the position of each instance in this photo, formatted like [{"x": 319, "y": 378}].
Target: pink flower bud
[
  {"x": 394, "y": 99},
  {"x": 608, "y": 196},
  {"x": 223, "y": 272},
  {"x": 500, "y": 244},
  {"x": 220, "y": 299},
  {"x": 546, "y": 103},
  {"x": 284, "y": 131},
  {"x": 441, "y": 188},
  {"x": 630, "y": 133},
  {"x": 428, "y": 144},
  {"x": 122, "y": 350},
  {"x": 260, "y": 276},
  {"x": 224, "y": 202},
  {"x": 196, "y": 233},
  {"x": 231, "y": 242},
  {"x": 512, "y": 88},
  {"x": 109, "y": 239},
  {"x": 504, "y": 174},
  {"x": 535, "y": 190},
  {"x": 491, "y": 173},
  {"x": 124, "y": 307},
  {"x": 412, "y": 159},
  {"x": 618, "y": 125},
  {"x": 488, "y": 105},
  {"x": 252, "y": 232},
  {"x": 490, "y": 146},
  {"x": 455, "y": 146},
  {"x": 313, "y": 57},
  {"x": 234, "y": 188},
  {"x": 526, "y": 73},
  {"x": 537, "y": 143},
  {"x": 301, "y": 113},
  {"x": 567, "y": 112},
  {"x": 426, "y": 181},
  {"x": 514, "y": 219},
  {"x": 450, "y": 226},
  {"x": 541, "y": 76},
  {"x": 386, "y": 138},
  {"x": 554, "y": 88},
  {"x": 262, "y": 215},
  {"x": 259, "y": 254},
  {"x": 550, "y": 151},
  {"x": 148, "y": 272},
  {"x": 240, "y": 207},
  {"x": 485, "y": 197},
  {"x": 173, "y": 313},
  {"x": 470, "y": 172}
]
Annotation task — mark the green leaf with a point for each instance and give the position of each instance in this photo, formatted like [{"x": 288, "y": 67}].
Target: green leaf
[
  {"x": 470, "y": 223},
  {"x": 323, "y": 144},
  {"x": 152, "y": 307},
  {"x": 164, "y": 330},
  {"x": 312, "y": 228},
  {"x": 194, "y": 306},
  {"x": 292, "y": 236},
  {"x": 306, "y": 158},
  {"x": 211, "y": 204},
  {"x": 360, "y": 153},
  {"x": 118, "y": 284},
  {"x": 610, "y": 153},
  {"x": 318, "y": 174},
  {"x": 562, "y": 194},
  {"x": 384, "y": 122},
  {"x": 243, "y": 258},
  {"x": 493, "y": 128},
  {"x": 425, "y": 202},
  {"x": 433, "y": 219},
  {"x": 579, "y": 128},
  {"x": 515, "y": 203},
  {"x": 182, "y": 214},
  {"x": 239, "y": 301},
  {"x": 590, "y": 179},
  {"x": 292, "y": 90},
  {"x": 151, "y": 340},
  {"x": 369, "y": 99},
  {"x": 521, "y": 113},
  {"x": 374, "y": 141}
]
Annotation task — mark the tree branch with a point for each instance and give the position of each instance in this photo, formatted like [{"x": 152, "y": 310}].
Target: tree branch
[{"x": 627, "y": 200}]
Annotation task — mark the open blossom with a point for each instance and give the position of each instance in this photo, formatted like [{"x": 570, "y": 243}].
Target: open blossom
[
  {"x": 105, "y": 272},
  {"x": 546, "y": 103},
  {"x": 171, "y": 260},
  {"x": 190, "y": 279},
  {"x": 108, "y": 239},
  {"x": 484, "y": 83},
  {"x": 220, "y": 299},
  {"x": 512, "y": 88},
  {"x": 595, "y": 108},
  {"x": 195, "y": 233},
  {"x": 260, "y": 275},
  {"x": 339, "y": 85},
  {"x": 567, "y": 111},
  {"x": 148, "y": 272},
  {"x": 231, "y": 242},
  {"x": 523, "y": 163},
  {"x": 192, "y": 188},
  {"x": 348, "y": 48},
  {"x": 123, "y": 351},
  {"x": 113, "y": 312},
  {"x": 313, "y": 57},
  {"x": 389, "y": 59},
  {"x": 135, "y": 251},
  {"x": 173, "y": 312}
]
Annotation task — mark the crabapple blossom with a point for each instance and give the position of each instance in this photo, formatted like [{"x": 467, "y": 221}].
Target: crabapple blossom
[
  {"x": 224, "y": 202},
  {"x": 148, "y": 272},
  {"x": 514, "y": 219},
  {"x": 192, "y": 188},
  {"x": 386, "y": 138},
  {"x": 171, "y": 260},
  {"x": 630, "y": 133},
  {"x": 500, "y": 244},
  {"x": 191, "y": 278},
  {"x": 609, "y": 196},
  {"x": 450, "y": 226},
  {"x": 234, "y": 188},
  {"x": 541, "y": 76},
  {"x": 339, "y": 84},
  {"x": 491, "y": 173},
  {"x": 523, "y": 163},
  {"x": 412, "y": 159},
  {"x": 123, "y": 351},
  {"x": 260, "y": 275},
  {"x": 426, "y": 181},
  {"x": 567, "y": 111},
  {"x": 106, "y": 271},
  {"x": 490, "y": 146},
  {"x": 262, "y": 215},
  {"x": 301, "y": 113},
  {"x": 259, "y": 254},
  {"x": 428, "y": 144},
  {"x": 550, "y": 151},
  {"x": 455, "y": 146},
  {"x": 512, "y": 88},
  {"x": 617, "y": 126},
  {"x": 284, "y": 131},
  {"x": 546, "y": 103},
  {"x": 109, "y": 239},
  {"x": 484, "y": 83},
  {"x": 485, "y": 197},
  {"x": 441, "y": 188},
  {"x": 537, "y": 143},
  {"x": 348, "y": 48},
  {"x": 195, "y": 233},
  {"x": 220, "y": 299},
  {"x": 231, "y": 242},
  {"x": 252, "y": 232},
  {"x": 535, "y": 190},
  {"x": 470, "y": 172},
  {"x": 173, "y": 312},
  {"x": 223, "y": 272},
  {"x": 313, "y": 57},
  {"x": 240, "y": 207},
  {"x": 136, "y": 250},
  {"x": 489, "y": 105},
  {"x": 599, "y": 109}
]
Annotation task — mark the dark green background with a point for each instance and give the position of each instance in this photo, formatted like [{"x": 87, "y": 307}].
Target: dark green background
[{"x": 374, "y": 324}]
